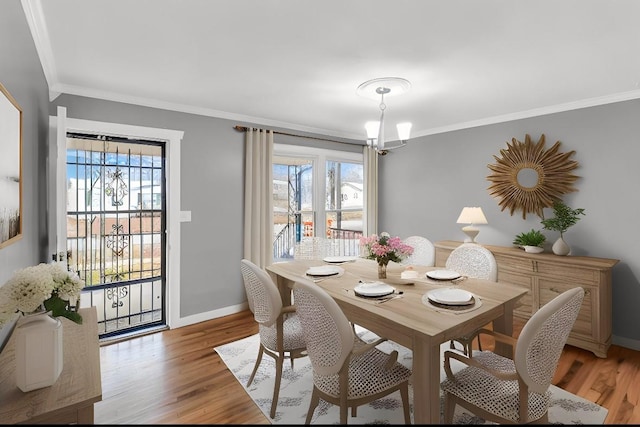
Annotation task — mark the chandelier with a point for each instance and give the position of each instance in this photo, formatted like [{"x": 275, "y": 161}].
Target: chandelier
[{"x": 375, "y": 129}]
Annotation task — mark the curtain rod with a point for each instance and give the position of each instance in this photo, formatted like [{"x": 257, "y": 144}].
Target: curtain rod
[{"x": 244, "y": 129}]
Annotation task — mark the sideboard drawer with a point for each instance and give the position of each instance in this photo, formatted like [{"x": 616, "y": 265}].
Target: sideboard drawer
[{"x": 576, "y": 275}]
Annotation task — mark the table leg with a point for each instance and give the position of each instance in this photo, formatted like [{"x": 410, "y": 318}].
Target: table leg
[
  {"x": 504, "y": 324},
  {"x": 426, "y": 381},
  {"x": 284, "y": 287}
]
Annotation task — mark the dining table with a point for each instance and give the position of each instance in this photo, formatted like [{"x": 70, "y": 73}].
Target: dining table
[{"x": 410, "y": 319}]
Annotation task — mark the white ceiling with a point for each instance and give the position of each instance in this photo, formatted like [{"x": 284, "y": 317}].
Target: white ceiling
[{"x": 296, "y": 64}]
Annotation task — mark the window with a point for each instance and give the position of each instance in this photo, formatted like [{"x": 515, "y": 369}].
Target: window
[{"x": 316, "y": 193}]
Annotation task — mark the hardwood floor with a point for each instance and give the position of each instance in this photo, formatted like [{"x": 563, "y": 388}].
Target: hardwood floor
[{"x": 175, "y": 377}]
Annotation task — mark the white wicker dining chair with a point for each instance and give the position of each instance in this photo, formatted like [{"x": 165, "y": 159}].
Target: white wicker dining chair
[
  {"x": 347, "y": 371},
  {"x": 472, "y": 260},
  {"x": 424, "y": 252},
  {"x": 514, "y": 391},
  {"x": 281, "y": 333}
]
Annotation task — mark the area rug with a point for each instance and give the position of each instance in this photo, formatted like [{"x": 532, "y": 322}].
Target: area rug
[{"x": 297, "y": 383}]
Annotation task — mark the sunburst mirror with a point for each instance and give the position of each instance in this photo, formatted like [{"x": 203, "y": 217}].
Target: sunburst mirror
[{"x": 529, "y": 178}]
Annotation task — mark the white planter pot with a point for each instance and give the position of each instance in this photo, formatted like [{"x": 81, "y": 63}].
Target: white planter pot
[
  {"x": 533, "y": 249},
  {"x": 38, "y": 351},
  {"x": 560, "y": 247}
]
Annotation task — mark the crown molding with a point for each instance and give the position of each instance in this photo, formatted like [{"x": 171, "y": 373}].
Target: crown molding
[
  {"x": 40, "y": 34},
  {"x": 552, "y": 109}
]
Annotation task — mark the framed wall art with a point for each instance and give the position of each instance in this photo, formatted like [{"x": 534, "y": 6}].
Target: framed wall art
[
  {"x": 10, "y": 169},
  {"x": 529, "y": 178}
]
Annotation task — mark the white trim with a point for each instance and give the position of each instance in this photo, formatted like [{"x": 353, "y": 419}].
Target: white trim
[
  {"x": 201, "y": 111},
  {"x": 40, "y": 34},
  {"x": 213, "y": 314},
  {"x": 552, "y": 109},
  {"x": 173, "y": 139}
]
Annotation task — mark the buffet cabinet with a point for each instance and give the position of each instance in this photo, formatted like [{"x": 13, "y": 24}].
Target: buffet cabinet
[{"x": 547, "y": 275}]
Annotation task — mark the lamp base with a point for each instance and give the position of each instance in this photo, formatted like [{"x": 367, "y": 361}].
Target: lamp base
[{"x": 472, "y": 232}]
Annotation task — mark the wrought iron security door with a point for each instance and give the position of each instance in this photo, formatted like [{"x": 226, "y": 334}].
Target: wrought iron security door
[{"x": 116, "y": 229}]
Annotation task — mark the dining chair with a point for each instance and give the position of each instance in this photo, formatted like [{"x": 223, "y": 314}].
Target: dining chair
[
  {"x": 472, "y": 260},
  {"x": 281, "y": 333},
  {"x": 513, "y": 391},
  {"x": 314, "y": 248},
  {"x": 347, "y": 371},
  {"x": 424, "y": 252}
]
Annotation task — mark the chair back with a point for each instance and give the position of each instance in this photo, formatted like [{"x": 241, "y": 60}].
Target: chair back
[
  {"x": 327, "y": 331},
  {"x": 263, "y": 296},
  {"x": 543, "y": 337},
  {"x": 473, "y": 260},
  {"x": 315, "y": 248},
  {"x": 424, "y": 252}
]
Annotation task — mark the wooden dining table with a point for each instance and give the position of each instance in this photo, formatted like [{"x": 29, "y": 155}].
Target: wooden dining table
[{"x": 408, "y": 320}]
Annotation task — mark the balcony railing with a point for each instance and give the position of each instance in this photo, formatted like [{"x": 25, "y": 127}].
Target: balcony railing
[{"x": 339, "y": 242}]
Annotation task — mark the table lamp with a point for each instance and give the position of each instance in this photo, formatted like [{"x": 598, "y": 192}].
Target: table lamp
[{"x": 471, "y": 216}]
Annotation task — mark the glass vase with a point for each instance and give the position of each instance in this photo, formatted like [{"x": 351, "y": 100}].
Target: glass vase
[{"x": 382, "y": 270}]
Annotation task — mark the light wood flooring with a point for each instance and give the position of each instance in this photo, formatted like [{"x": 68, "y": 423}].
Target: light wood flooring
[{"x": 175, "y": 377}]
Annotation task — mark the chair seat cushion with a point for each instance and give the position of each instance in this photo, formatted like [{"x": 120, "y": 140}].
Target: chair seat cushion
[
  {"x": 368, "y": 375},
  {"x": 498, "y": 397},
  {"x": 293, "y": 334}
]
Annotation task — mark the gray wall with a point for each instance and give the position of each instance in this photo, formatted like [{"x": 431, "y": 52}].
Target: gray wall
[
  {"x": 424, "y": 186},
  {"x": 21, "y": 74}
]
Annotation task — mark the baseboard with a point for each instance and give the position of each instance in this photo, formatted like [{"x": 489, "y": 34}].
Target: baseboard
[{"x": 210, "y": 315}]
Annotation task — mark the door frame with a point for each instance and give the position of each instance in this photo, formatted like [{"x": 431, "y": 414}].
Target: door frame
[{"x": 57, "y": 195}]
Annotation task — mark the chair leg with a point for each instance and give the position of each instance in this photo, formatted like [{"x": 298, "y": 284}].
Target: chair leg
[
  {"x": 404, "y": 394},
  {"x": 315, "y": 399},
  {"x": 276, "y": 387},
  {"x": 449, "y": 407},
  {"x": 343, "y": 414},
  {"x": 255, "y": 368}
]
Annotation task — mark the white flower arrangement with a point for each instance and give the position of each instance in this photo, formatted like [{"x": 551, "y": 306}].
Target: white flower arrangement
[{"x": 48, "y": 285}]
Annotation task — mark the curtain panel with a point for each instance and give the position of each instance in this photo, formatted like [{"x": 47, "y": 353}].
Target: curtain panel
[
  {"x": 258, "y": 194},
  {"x": 370, "y": 191}
]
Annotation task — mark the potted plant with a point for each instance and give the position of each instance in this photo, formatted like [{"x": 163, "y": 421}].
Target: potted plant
[
  {"x": 564, "y": 217},
  {"x": 531, "y": 241}
]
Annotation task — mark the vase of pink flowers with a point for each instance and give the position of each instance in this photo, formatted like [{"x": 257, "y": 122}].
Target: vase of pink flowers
[{"x": 384, "y": 248}]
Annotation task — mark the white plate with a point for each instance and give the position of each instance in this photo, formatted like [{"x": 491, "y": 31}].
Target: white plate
[
  {"x": 443, "y": 275},
  {"x": 324, "y": 270},
  {"x": 451, "y": 296},
  {"x": 374, "y": 289},
  {"x": 339, "y": 259}
]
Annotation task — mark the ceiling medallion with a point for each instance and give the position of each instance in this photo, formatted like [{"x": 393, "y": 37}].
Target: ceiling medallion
[{"x": 529, "y": 178}]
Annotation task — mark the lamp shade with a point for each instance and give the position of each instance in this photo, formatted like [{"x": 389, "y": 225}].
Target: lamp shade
[
  {"x": 404, "y": 131},
  {"x": 372, "y": 129},
  {"x": 472, "y": 215}
]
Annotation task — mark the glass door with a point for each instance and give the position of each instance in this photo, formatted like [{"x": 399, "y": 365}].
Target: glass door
[{"x": 293, "y": 206}]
